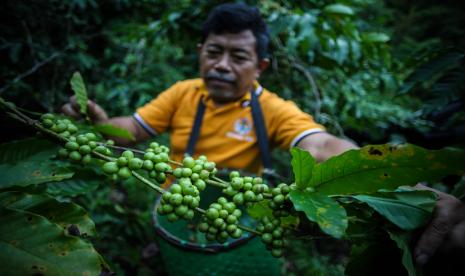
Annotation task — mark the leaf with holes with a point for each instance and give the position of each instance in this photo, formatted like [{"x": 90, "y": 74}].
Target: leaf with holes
[
  {"x": 386, "y": 166},
  {"x": 32, "y": 245},
  {"x": 327, "y": 213},
  {"x": 30, "y": 173},
  {"x": 302, "y": 165},
  {"x": 79, "y": 88},
  {"x": 64, "y": 214}
]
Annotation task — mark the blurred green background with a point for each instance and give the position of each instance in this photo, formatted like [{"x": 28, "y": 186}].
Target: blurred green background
[{"x": 370, "y": 70}]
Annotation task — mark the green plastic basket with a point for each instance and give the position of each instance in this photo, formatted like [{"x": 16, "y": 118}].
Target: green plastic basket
[{"x": 185, "y": 251}]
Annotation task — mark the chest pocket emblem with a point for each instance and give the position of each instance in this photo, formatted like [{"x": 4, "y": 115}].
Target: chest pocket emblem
[{"x": 242, "y": 126}]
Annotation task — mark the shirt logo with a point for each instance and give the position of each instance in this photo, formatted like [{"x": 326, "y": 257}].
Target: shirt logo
[{"x": 242, "y": 128}]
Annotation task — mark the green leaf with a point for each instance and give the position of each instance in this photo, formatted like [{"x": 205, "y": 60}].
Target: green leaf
[
  {"x": 79, "y": 88},
  {"x": 62, "y": 213},
  {"x": 338, "y": 9},
  {"x": 32, "y": 245},
  {"x": 302, "y": 165},
  {"x": 327, "y": 213},
  {"x": 259, "y": 210},
  {"x": 402, "y": 240},
  {"x": 408, "y": 210},
  {"x": 30, "y": 173},
  {"x": 112, "y": 130},
  {"x": 386, "y": 166},
  {"x": 30, "y": 149},
  {"x": 375, "y": 37}
]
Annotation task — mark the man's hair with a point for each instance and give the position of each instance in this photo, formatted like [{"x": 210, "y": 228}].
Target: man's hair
[{"x": 235, "y": 18}]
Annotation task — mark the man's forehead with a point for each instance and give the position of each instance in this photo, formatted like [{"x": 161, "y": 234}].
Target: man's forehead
[{"x": 244, "y": 39}]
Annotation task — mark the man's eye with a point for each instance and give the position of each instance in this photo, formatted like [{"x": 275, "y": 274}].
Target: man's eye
[
  {"x": 213, "y": 52},
  {"x": 240, "y": 58}
]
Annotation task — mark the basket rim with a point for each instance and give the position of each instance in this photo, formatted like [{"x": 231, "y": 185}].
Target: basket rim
[{"x": 192, "y": 246}]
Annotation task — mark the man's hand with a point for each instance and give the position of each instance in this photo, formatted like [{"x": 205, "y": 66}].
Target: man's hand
[
  {"x": 446, "y": 229},
  {"x": 96, "y": 113},
  {"x": 99, "y": 116}
]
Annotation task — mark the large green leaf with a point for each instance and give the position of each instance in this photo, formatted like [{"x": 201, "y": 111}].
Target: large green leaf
[
  {"x": 62, "y": 213},
  {"x": 387, "y": 166},
  {"x": 30, "y": 173},
  {"x": 402, "y": 240},
  {"x": 327, "y": 213},
  {"x": 406, "y": 209},
  {"x": 302, "y": 165},
  {"x": 31, "y": 245},
  {"x": 30, "y": 149},
  {"x": 79, "y": 88},
  {"x": 112, "y": 130},
  {"x": 83, "y": 181}
]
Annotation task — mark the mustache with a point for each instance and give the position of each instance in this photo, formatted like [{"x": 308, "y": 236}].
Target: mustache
[{"x": 219, "y": 77}]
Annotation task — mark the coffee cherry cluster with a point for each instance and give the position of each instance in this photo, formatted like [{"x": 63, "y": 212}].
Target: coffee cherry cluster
[
  {"x": 198, "y": 171},
  {"x": 62, "y": 127},
  {"x": 79, "y": 148},
  {"x": 245, "y": 189},
  {"x": 220, "y": 221},
  {"x": 280, "y": 202},
  {"x": 180, "y": 201},
  {"x": 272, "y": 235},
  {"x": 156, "y": 162}
]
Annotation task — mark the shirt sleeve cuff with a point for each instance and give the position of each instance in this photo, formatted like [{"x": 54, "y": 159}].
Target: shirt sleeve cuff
[
  {"x": 144, "y": 124},
  {"x": 304, "y": 134}
]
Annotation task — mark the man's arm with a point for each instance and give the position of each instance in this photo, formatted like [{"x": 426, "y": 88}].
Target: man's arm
[
  {"x": 323, "y": 145},
  {"x": 99, "y": 116}
]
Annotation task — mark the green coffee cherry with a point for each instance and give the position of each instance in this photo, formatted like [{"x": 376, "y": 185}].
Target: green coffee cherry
[
  {"x": 110, "y": 167},
  {"x": 124, "y": 173},
  {"x": 128, "y": 154},
  {"x": 85, "y": 149},
  {"x": 75, "y": 155},
  {"x": 135, "y": 163},
  {"x": 63, "y": 153},
  {"x": 72, "y": 146}
]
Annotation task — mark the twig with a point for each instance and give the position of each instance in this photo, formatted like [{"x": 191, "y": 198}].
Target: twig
[
  {"x": 30, "y": 71},
  {"x": 148, "y": 182}
]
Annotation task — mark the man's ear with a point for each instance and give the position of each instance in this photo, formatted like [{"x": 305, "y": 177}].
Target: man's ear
[
  {"x": 262, "y": 65},
  {"x": 199, "y": 48}
]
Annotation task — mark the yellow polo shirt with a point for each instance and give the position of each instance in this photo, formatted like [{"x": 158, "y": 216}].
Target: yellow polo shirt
[{"x": 227, "y": 135}]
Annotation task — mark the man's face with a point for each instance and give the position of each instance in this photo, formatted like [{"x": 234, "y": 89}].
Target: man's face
[{"x": 229, "y": 65}]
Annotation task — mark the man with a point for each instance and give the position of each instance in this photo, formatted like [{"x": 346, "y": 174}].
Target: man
[{"x": 232, "y": 55}]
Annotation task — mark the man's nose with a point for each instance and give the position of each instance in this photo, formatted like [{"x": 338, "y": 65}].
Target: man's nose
[{"x": 223, "y": 63}]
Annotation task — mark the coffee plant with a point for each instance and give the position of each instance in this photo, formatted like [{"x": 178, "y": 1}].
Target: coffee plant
[{"x": 335, "y": 195}]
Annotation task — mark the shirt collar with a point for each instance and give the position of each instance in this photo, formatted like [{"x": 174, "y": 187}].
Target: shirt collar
[{"x": 246, "y": 98}]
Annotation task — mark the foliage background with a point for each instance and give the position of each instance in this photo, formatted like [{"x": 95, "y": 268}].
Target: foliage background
[{"x": 380, "y": 71}]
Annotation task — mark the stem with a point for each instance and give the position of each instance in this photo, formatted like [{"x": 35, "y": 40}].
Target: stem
[
  {"x": 217, "y": 184},
  {"x": 245, "y": 228},
  {"x": 174, "y": 162},
  {"x": 121, "y": 148},
  {"x": 148, "y": 182},
  {"x": 220, "y": 180},
  {"x": 103, "y": 157}
]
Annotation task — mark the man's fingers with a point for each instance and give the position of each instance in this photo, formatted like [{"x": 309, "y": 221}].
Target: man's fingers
[
  {"x": 69, "y": 110},
  {"x": 96, "y": 113},
  {"x": 447, "y": 214},
  {"x": 431, "y": 239}
]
